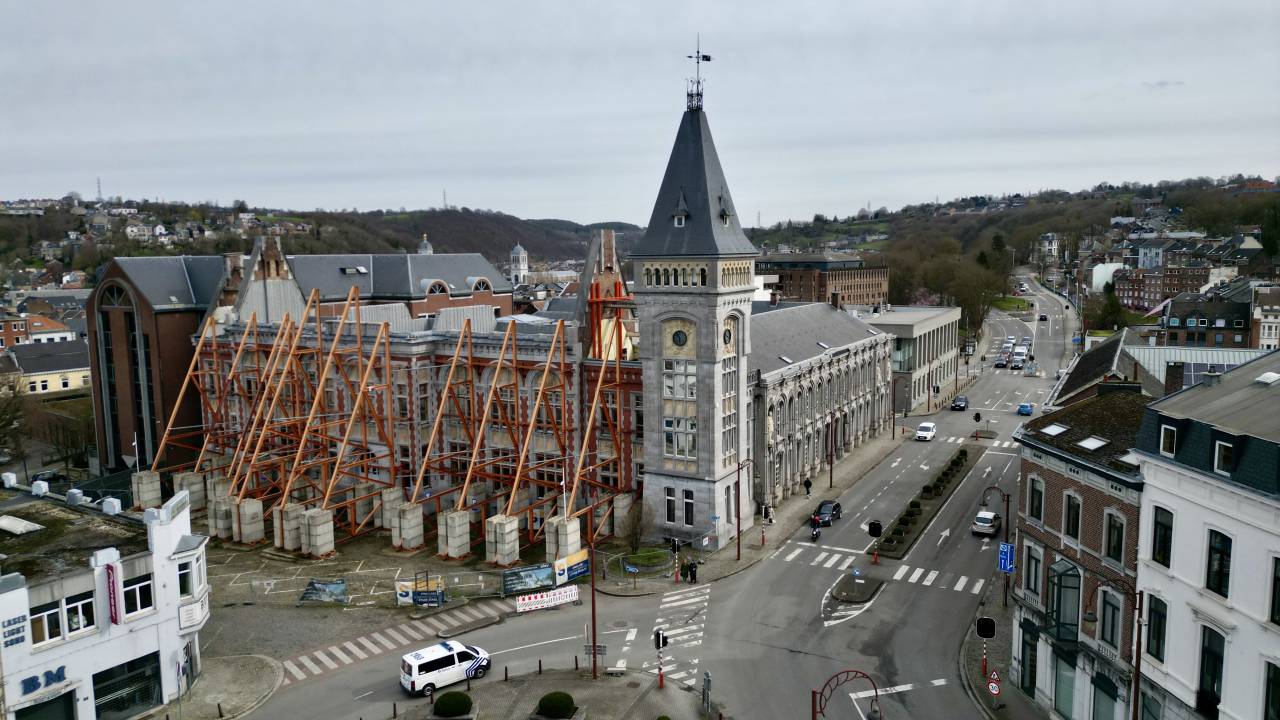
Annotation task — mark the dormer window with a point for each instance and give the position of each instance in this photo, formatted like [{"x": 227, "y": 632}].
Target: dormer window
[
  {"x": 724, "y": 218},
  {"x": 679, "y": 220}
]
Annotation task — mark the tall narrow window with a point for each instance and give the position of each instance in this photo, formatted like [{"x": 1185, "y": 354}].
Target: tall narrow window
[
  {"x": 1218, "y": 570},
  {"x": 671, "y": 504},
  {"x": 1115, "y": 538},
  {"x": 1162, "y": 536},
  {"x": 1168, "y": 440},
  {"x": 1071, "y": 518},
  {"x": 1110, "y": 619},
  {"x": 1275, "y": 591},
  {"x": 1035, "y": 499},
  {"x": 688, "y": 507},
  {"x": 1223, "y": 458},
  {"x": 1271, "y": 711},
  {"x": 1157, "y": 619},
  {"x": 1031, "y": 572},
  {"x": 1209, "y": 692}
]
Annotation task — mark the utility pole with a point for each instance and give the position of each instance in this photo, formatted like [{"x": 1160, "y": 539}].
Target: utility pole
[{"x": 591, "y": 562}]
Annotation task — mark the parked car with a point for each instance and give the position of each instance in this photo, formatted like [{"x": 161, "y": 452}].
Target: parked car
[
  {"x": 1043, "y": 317},
  {"x": 960, "y": 403},
  {"x": 1025, "y": 408},
  {"x": 827, "y": 511},
  {"x": 986, "y": 523},
  {"x": 926, "y": 431}
]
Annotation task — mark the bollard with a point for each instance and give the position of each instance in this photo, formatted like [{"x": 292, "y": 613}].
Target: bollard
[
  {"x": 468, "y": 684},
  {"x": 504, "y": 673},
  {"x": 762, "y": 537},
  {"x": 539, "y": 666},
  {"x": 394, "y": 712},
  {"x": 575, "y": 663},
  {"x": 220, "y": 710}
]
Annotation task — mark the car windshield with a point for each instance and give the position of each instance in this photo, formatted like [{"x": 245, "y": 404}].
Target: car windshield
[
  {"x": 983, "y": 520},
  {"x": 926, "y": 426},
  {"x": 474, "y": 650},
  {"x": 826, "y": 506}
]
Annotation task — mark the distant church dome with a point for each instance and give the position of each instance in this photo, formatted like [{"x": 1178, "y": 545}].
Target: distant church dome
[
  {"x": 424, "y": 247},
  {"x": 518, "y": 251}
]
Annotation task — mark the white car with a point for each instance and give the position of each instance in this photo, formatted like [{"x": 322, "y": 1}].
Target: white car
[{"x": 926, "y": 431}]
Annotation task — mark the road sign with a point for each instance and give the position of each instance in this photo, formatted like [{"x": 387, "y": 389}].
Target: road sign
[
  {"x": 599, "y": 650},
  {"x": 993, "y": 676},
  {"x": 993, "y": 688},
  {"x": 1006, "y": 558}
]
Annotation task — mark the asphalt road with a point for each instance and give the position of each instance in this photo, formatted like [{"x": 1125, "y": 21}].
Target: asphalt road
[{"x": 770, "y": 634}]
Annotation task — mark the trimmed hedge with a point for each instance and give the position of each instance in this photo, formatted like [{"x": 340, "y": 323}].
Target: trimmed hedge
[
  {"x": 558, "y": 705},
  {"x": 914, "y": 505},
  {"x": 452, "y": 704}
]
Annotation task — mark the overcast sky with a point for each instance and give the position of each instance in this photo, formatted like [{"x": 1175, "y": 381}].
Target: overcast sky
[{"x": 568, "y": 109}]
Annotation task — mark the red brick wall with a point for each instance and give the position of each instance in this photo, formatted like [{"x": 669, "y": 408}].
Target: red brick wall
[{"x": 1093, "y": 503}]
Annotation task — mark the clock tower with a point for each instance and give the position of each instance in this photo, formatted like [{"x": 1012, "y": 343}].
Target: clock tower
[{"x": 693, "y": 273}]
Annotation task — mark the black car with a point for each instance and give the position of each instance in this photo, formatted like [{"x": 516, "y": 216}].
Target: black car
[
  {"x": 1043, "y": 317},
  {"x": 960, "y": 403},
  {"x": 827, "y": 511},
  {"x": 1002, "y": 361}
]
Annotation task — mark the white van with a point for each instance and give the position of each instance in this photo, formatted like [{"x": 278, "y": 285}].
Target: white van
[{"x": 422, "y": 671}]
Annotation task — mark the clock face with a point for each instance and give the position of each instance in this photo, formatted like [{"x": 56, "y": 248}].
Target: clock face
[
  {"x": 679, "y": 338},
  {"x": 728, "y": 336}
]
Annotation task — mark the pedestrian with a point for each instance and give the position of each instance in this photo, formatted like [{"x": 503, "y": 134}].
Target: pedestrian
[
  {"x": 693, "y": 571},
  {"x": 808, "y": 488},
  {"x": 684, "y": 571}
]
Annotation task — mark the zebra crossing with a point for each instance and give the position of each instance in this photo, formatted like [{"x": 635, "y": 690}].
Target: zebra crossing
[
  {"x": 840, "y": 559},
  {"x": 415, "y": 633},
  {"x": 957, "y": 439},
  {"x": 682, "y": 616}
]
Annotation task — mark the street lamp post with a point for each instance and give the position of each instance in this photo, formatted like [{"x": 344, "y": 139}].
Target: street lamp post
[
  {"x": 1135, "y": 597},
  {"x": 1006, "y": 497}
]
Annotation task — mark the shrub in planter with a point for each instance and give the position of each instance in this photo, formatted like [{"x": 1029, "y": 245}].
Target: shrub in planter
[
  {"x": 962, "y": 454},
  {"x": 914, "y": 505},
  {"x": 556, "y": 705},
  {"x": 938, "y": 488},
  {"x": 452, "y": 704},
  {"x": 927, "y": 489},
  {"x": 899, "y": 532},
  {"x": 889, "y": 542}
]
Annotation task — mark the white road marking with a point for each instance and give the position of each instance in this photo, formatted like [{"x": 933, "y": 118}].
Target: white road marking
[
  {"x": 544, "y": 642},
  {"x": 916, "y": 575},
  {"x": 355, "y": 650},
  {"x": 929, "y": 578},
  {"x": 902, "y": 570},
  {"x": 294, "y": 670},
  {"x": 831, "y": 561},
  {"x": 819, "y": 559},
  {"x": 397, "y": 637},
  {"x": 631, "y": 634},
  {"x": 408, "y": 630},
  {"x": 977, "y": 586},
  {"x": 847, "y": 562},
  {"x": 325, "y": 659},
  {"x": 383, "y": 640},
  {"x": 791, "y": 555},
  {"x": 961, "y": 583},
  {"x": 314, "y": 668},
  {"x": 373, "y": 649},
  {"x": 681, "y": 603},
  {"x": 334, "y": 651},
  {"x": 678, "y": 594}
]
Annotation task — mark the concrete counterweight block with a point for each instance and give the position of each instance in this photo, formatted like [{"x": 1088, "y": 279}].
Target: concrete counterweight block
[
  {"x": 502, "y": 539},
  {"x": 252, "y": 526},
  {"x": 146, "y": 489},
  {"x": 366, "y": 492},
  {"x": 318, "y": 525},
  {"x": 564, "y": 537},
  {"x": 391, "y": 499},
  {"x": 407, "y": 533},
  {"x": 622, "y": 514},
  {"x": 194, "y": 484},
  {"x": 222, "y": 517},
  {"x": 454, "y": 536}
]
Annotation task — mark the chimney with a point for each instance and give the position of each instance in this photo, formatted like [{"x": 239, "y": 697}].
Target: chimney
[
  {"x": 1210, "y": 378},
  {"x": 1173, "y": 375},
  {"x": 773, "y": 298}
]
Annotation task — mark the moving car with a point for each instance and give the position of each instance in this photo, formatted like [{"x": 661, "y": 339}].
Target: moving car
[
  {"x": 1026, "y": 341},
  {"x": 827, "y": 511},
  {"x": 1043, "y": 317},
  {"x": 1025, "y": 408},
  {"x": 926, "y": 431},
  {"x": 1009, "y": 339},
  {"x": 1017, "y": 364},
  {"x": 986, "y": 523},
  {"x": 960, "y": 403},
  {"x": 425, "y": 670},
  {"x": 1002, "y": 361}
]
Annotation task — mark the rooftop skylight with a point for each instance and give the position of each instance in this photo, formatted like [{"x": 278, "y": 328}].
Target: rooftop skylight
[
  {"x": 1093, "y": 442},
  {"x": 1267, "y": 378},
  {"x": 785, "y": 359},
  {"x": 1054, "y": 430}
]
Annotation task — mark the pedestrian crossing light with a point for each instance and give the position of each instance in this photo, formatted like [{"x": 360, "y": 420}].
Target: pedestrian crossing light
[
  {"x": 977, "y": 417},
  {"x": 659, "y": 639},
  {"x": 874, "y": 528},
  {"x": 986, "y": 628}
]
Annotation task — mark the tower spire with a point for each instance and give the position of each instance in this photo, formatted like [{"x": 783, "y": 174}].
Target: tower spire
[{"x": 693, "y": 96}]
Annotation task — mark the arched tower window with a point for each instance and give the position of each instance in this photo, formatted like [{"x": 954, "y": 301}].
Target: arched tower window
[{"x": 702, "y": 277}]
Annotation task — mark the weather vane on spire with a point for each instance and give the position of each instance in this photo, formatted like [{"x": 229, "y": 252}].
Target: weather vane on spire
[{"x": 693, "y": 97}]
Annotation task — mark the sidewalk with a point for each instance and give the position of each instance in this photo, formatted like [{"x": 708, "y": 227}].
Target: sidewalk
[
  {"x": 228, "y": 687},
  {"x": 788, "y": 517},
  {"x": 1012, "y": 704},
  {"x": 608, "y": 698}
]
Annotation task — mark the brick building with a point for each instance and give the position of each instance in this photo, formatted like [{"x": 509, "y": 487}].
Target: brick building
[
  {"x": 817, "y": 277},
  {"x": 13, "y": 330},
  {"x": 1208, "y": 320},
  {"x": 1079, "y": 496}
]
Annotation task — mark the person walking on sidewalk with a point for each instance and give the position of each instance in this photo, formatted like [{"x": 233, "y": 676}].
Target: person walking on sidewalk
[{"x": 808, "y": 488}]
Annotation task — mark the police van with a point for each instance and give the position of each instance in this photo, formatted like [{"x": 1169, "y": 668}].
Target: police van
[{"x": 422, "y": 671}]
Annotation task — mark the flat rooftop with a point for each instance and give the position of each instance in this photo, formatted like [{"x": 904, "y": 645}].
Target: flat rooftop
[
  {"x": 907, "y": 314},
  {"x": 67, "y": 538}
]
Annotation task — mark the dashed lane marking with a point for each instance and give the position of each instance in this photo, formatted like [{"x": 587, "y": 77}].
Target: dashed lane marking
[
  {"x": 916, "y": 575},
  {"x": 929, "y": 578},
  {"x": 821, "y": 556}
]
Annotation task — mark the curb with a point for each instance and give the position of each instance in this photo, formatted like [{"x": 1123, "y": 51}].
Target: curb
[
  {"x": 279, "y": 671},
  {"x": 784, "y": 533},
  {"x": 467, "y": 627},
  {"x": 968, "y": 686}
]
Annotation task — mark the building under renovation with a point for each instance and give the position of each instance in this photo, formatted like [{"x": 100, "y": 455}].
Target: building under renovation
[{"x": 332, "y": 396}]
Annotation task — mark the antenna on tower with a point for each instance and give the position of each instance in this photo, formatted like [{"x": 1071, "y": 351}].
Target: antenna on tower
[
  {"x": 99, "y": 189},
  {"x": 693, "y": 97},
  {"x": 444, "y": 199}
]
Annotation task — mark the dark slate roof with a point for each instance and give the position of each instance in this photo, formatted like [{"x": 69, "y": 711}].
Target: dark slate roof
[
  {"x": 694, "y": 186},
  {"x": 177, "y": 282},
  {"x": 1237, "y": 403},
  {"x": 36, "y": 358},
  {"x": 393, "y": 276},
  {"x": 793, "y": 331},
  {"x": 1092, "y": 366},
  {"x": 822, "y": 261},
  {"x": 1114, "y": 416}
]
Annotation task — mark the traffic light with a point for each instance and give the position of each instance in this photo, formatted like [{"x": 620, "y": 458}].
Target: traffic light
[
  {"x": 875, "y": 528},
  {"x": 659, "y": 639},
  {"x": 977, "y": 417},
  {"x": 986, "y": 628}
]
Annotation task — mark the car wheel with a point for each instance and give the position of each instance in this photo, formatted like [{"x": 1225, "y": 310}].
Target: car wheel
[
  {"x": 428, "y": 689},
  {"x": 480, "y": 671}
]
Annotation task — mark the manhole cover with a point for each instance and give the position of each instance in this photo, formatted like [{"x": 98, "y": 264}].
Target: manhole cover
[
  {"x": 618, "y": 624},
  {"x": 633, "y": 684}
]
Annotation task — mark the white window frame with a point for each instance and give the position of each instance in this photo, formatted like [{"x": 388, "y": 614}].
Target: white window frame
[
  {"x": 189, "y": 572},
  {"x": 1217, "y": 445},
  {"x": 88, "y": 619},
  {"x": 139, "y": 582},
  {"x": 1073, "y": 540},
  {"x": 1173, "y": 432},
  {"x": 43, "y": 615},
  {"x": 679, "y": 220}
]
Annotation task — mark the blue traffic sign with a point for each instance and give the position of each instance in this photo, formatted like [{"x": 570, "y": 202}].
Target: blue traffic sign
[
  {"x": 630, "y": 568},
  {"x": 1006, "y": 558}
]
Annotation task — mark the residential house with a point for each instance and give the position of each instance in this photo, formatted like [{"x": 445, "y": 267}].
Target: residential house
[
  {"x": 13, "y": 331},
  {"x": 46, "y": 330},
  {"x": 1209, "y": 550},
  {"x": 60, "y": 367},
  {"x": 1264, "y": 331},
  {"x": 1077, "y": 517},
  {"x": 1205, "y": 319}
]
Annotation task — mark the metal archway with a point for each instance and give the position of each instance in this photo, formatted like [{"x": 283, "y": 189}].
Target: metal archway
[{"x": 820, "y": 698}]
